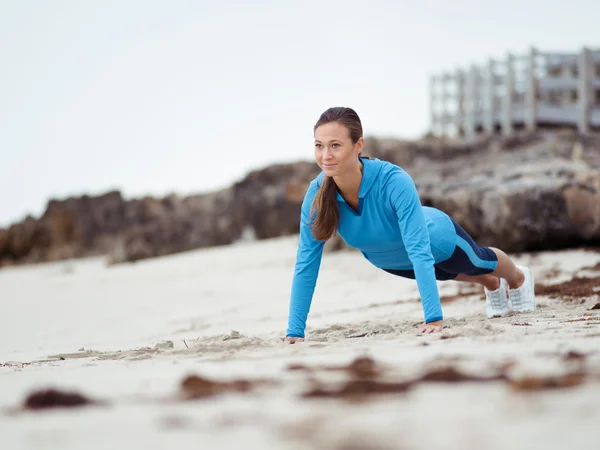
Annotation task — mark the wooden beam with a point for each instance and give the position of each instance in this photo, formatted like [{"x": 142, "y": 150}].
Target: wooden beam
[
  {"x": 509, "y": 94},
  {"x": 584, "y": 90}
]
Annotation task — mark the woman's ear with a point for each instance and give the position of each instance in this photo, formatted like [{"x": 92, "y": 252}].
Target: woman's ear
[{"x": 359, "y": 145}]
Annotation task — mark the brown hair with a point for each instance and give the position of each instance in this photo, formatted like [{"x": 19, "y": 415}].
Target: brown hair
[{"x": 325, "y": 202}]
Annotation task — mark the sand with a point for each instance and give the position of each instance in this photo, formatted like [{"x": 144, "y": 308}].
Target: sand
[{"x": 127, "y": 336}]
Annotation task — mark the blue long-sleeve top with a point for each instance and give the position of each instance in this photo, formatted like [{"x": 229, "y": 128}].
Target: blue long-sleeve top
[{"x": 390, "y": 228}]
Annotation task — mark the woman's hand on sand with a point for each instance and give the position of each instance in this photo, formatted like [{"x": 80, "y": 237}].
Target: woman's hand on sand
[
  {"x": 292, "y": 340},
  {"x": 432, "y": 327}
]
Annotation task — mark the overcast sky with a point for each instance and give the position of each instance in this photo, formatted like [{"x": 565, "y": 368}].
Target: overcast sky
[{"x": 152, "y": 97}]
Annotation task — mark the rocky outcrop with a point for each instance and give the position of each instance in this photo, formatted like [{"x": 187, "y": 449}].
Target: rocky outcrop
[
  {"x": 174, "y": 224},
  {"x": 266, "y": 203},
  {"x": 70, "y": 228},
  {"x": 533, "y": 191}
]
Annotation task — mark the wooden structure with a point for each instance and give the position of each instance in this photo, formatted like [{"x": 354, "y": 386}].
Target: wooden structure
[{"x": 537, "y": 89}]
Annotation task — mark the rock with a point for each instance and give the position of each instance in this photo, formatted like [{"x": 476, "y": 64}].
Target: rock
[
  {"x": 519, "y": 202},
  {"x": 532, "y": 191},
  {"x": 135, "y": 246},
  {"x": 22, "y": 238},
  {"x": 269, "y": 200},
  {"x": 233, "y": 335},
  {"x": 165, "y": 345},
  {"x": 5, "y": 257},
  {"x": 176, "y": 225},
  {"x": 3, "y": 238},
  {"x": 265, "y": 204}
]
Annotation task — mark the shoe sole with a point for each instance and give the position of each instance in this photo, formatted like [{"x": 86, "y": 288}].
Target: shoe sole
[{"x": 497, "y": 314}]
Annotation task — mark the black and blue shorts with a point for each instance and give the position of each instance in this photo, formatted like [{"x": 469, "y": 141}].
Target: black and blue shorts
[{"x": 468, "y": 258}]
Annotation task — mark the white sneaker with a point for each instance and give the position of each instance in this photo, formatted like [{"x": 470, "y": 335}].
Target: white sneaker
[
  {"x": 523, "y": 298},
  {"x": 496, "y": 302}
]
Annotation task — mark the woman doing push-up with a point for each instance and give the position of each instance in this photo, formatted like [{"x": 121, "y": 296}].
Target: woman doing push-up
[{"x": 374, "y": 206}]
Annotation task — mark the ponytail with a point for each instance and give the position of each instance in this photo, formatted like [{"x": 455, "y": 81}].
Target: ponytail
[
  {"x": 328, "y": 214},
  {"x": 325, "y": 202}
]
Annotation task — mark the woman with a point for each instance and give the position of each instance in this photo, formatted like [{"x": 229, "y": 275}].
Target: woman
[{"x": 375, "y": 207}]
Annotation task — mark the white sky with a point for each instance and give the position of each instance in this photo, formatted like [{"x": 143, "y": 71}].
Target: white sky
[{"x": 152, "y": 97}]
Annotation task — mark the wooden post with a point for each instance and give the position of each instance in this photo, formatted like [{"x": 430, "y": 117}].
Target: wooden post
[
  {"x": 509, "y": 95},
  {"x": 442, "y": 105},
  {"x": 432, "y": 101},
  {"x": 459, "y": 117},
  {"x": 491, "y": 98},
  {"x": 530, "y": 94},
  {"x": 584, "y": 90},
  {"x": 472, "y": 97}
]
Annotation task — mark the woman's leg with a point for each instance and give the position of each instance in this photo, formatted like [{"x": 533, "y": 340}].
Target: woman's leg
[
  {"x": 496, "y": 299},
  {"x": 492, "y": 268},
  {"x": 506, "y": 269},
  {"x": 473, "y": 260},
  {"x": 490, "y": 282}
]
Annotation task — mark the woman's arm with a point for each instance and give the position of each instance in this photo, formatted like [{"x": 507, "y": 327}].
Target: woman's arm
[
  {"x": 405, "y": 201},
  {"x": 308, "y": 262}
]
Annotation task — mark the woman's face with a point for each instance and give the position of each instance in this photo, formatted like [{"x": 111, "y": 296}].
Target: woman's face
[{"x": 334, "y": 151}]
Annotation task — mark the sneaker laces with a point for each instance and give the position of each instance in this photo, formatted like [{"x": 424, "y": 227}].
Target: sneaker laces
[
  {"x": 516, "y": 298},
  {"x": 519, "y": 297},
  {"x": 497, "y": 301}
]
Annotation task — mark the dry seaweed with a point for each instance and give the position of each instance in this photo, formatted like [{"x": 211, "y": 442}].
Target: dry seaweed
[
  {"x": 452, "y": 375},
  {"x": 364, "y": 382},
  {"x": 574, "y": 355},
  {"x": 357, "y": 388},
  {"x": 196, "y": 387},
  {"x": 576, "y": 288},
  {"x": 549, "y": 382},
  {"x": 583, "y": 319},
  {"x": 449, "y": 336},
  {"x": 18, "y": 365},
  {"x": 363, "y": 367},
  {"x": 298, "y": 367},
  {"x": 54, "y": 398}
]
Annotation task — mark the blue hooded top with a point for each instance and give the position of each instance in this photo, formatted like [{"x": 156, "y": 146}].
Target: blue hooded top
[{"x": 390, "y": 228}]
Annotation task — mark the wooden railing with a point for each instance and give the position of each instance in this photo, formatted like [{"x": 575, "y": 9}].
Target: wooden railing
[{"x": 536, "y": 89}]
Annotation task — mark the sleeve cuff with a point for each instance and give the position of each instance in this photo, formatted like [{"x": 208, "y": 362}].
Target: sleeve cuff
[{"x": 434, "y": 319}]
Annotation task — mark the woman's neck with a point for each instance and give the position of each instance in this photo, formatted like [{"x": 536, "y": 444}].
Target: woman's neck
[{"x": 349, "y": 184}]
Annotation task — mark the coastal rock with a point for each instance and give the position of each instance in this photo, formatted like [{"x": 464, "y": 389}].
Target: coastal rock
[
  {"x": 533, "y": 191},
  {"x": 535, "y": 200},
  {"x": 269, "y": 200},
  {"x": 265, "y": 204}
]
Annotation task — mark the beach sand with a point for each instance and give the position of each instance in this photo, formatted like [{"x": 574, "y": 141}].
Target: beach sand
[{"x": 128, "y": 336}]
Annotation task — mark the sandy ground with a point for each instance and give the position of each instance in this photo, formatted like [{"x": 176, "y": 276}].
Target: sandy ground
[{"x": 128, "y": 336}]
